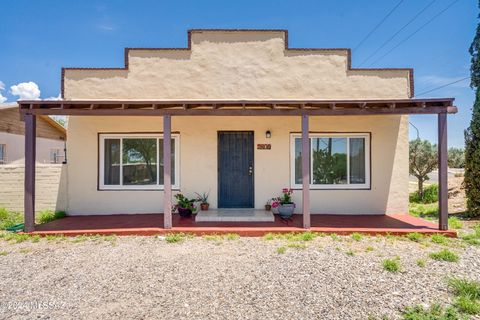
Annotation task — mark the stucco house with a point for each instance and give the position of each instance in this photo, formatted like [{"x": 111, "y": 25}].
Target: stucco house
[
  {"x": 239, "y": 114},
  {"x": 51, "y": 138}
]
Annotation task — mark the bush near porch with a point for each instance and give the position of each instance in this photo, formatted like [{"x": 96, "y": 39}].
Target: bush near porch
[{"x": 10, "y": 218}]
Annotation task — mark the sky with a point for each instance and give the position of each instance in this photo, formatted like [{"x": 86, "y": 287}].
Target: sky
[{"x": 37, "y": 38}]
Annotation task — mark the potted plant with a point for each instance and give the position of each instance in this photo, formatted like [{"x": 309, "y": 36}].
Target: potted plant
[
  {"x": 185, "y": 206},
  {"x": 203, "y": 199},
  {"x": 268, "y": 205},
  {"x": 284, "y": 204}
]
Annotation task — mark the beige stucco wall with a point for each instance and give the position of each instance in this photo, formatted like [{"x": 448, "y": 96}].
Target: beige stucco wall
[
  {"x": 50, "y": 185},
  {"x": 237, "y": 65},
  {"x": 198, "y": 162},
  {"x": 15, "y": 148}
]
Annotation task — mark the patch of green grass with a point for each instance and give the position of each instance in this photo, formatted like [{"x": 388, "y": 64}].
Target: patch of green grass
[
  {"x": 430, "y": 195},
  {"x": 391, "y": 265},
  {"x": 421, "y": 263},
  {"x": 357, "y": 236},
  {"x": 350, "y": 253},
  {"x": 9, "y": 218},
  {"x": 303, "y": 236},
  {"x": 467, "y": 305},
  {"x": 335, "y": 237},
  {"x": 281, "y": 250},
  {"x": 424, "y": 210},
  {"x": 296, "y": 245},
  {"x": 369, "y": 249},
  {"x": 455, "y": 223},
  {"x": 49, "y": 215},
  {"x": 25, "y": 250},
  {"x": 435, "y": 312},
  {"x": 212, "y": 237},
  {"x": 439, "y": 239},
  {"x": 444, "y": 255},
  {"x": 15, "y": 237},
  {"x": 174, "y": 237},
  {"x": 269, "y": 236},
  {"x": 35, "y": 238},
  {"x": 81, "y": 238},
  {"x": 3, "y": 253},
  {"x": 415, "y": 236},
  {"x": 232, "y": 236},
  {"x": 464, "y": 287}
]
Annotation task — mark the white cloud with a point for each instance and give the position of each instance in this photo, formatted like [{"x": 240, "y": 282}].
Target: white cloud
[
  {"x": 2, "y": 98},
  {"x": 59, "y": 97},
  {"x": 434, "y": 81},
  {"x": 26, "y": 91},
  {"x": 106, "y": 27}
]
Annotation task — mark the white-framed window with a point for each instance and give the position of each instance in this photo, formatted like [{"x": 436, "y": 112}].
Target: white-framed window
[
  {"x": 135, "y": 161},
  {"x": 337, "y": 160},
  {"x": 3, "y": 153}
]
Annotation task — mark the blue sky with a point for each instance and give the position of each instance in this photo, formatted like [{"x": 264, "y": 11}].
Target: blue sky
[{"x": 39, "y": 37}]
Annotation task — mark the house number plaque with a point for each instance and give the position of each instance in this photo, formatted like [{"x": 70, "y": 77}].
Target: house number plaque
[{"x": 264, "y": 146}]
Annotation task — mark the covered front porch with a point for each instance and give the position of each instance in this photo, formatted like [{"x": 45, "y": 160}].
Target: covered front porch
[
  {"x": 153, "y": 224},
  {"x": 303, "y": 110}
]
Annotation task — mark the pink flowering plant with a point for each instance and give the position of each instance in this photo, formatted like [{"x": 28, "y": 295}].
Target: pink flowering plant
[{"x": 285, "y": 198}]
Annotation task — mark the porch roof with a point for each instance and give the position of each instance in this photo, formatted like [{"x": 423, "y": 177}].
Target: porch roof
[{"x": 237, "y": 107}]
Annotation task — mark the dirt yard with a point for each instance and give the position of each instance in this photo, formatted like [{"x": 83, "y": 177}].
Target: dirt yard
[{"x": 327, "y": 277}]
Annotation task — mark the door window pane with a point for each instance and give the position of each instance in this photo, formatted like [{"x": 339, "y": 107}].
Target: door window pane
[
  {"x": 357, "y": 160},
  {"x": 139, "y": 161},
  {"x": 160, "y": 160},
  {"x": 112, "y": 162},
  {"x": 329, "y": 160},
  {"x": 298, "y": 161}
]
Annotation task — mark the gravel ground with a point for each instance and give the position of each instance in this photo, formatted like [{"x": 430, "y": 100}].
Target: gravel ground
[{"x": 246, "y": 278}]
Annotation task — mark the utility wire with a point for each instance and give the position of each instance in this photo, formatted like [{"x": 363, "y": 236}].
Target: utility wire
[
  {"x": 440, "y": 87},
  {"x": 400, "y": 30},
  {"x": 378, "y": 25},
  {"x": 416, "y": 31}
]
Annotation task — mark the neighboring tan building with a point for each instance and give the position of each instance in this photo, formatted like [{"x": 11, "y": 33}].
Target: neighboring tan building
[
  {"x": 241, "y": 107},
  {"x": 51, "y": 138}
]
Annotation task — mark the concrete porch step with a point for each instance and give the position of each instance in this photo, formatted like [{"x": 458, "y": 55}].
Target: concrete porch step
[{"x": 234, "y": 215}]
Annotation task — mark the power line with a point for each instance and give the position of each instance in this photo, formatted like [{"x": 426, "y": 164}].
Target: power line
[
  {"x": 416, "y": 31},
  {"x": 400, "y": 30},
  {"x": 378, "y": 25},
  {"x": 443, "y": 86}
]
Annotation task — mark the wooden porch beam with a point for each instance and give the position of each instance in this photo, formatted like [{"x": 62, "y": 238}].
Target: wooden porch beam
[
  {"x": 442, "y": 171},
  {"x": 30, "y": 150},
  {"x": 305, "y": 172},
  {"x": 167, "y": 169}
]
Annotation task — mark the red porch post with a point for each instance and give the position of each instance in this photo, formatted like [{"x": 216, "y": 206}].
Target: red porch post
[
  {"x": 442, "y": 171},
  {"x": 167, "y": 167},
  {"x": 30, "y": 150},
  {"x": 305, "y": 172}
]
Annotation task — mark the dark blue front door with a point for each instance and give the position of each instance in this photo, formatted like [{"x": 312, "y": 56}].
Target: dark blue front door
[{"x": 235, "y": 169}]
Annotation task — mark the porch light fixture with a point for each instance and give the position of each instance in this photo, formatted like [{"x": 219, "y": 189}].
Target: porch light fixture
[{"x": 268, "y": 134}]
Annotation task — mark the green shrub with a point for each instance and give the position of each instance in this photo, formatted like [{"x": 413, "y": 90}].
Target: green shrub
[
  {"x": 435, "y": 312},
  {"x": 174, "y": 237},
  {"x": 429, "y": 210},
  {"x": 444, "y": 255},
  {"x": 467, "y": 305},
  {"x": 439, "y": 239},
  {"x": 391, "y": 265},
  {"x": 455, "y": 223},
  {"x": 357, "y": 236},
  {"x": 9, "y": 219},
  {"x": 48, "y": 216},
  {"x": 415, "y": 236},
  {"x": 464, "y": 287},
  {"x": 430, "y": 195}
]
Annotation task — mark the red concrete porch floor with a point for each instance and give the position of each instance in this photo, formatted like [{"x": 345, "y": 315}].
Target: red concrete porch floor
[{"x": 151, "y": 224}]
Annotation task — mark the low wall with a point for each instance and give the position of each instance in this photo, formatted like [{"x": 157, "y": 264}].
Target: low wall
[{"x": 50, "y": 187}]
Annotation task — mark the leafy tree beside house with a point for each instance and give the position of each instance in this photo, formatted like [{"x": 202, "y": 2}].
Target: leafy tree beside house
[
  {"x": 472, "y": 136},
  {"x": 456, "y": 158},
  {"x": 423, "y": 160}
]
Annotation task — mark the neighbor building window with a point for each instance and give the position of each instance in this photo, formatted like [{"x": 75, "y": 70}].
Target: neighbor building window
[
  {"x": 135, "y": 161},
  {"x": 3, "y": 153},
  {"x": 55, "y": 156},
  {"x": 337, "y": 161}
]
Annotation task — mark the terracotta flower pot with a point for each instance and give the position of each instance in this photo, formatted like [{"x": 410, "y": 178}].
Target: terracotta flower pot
[{"x": 204, "y": 206}]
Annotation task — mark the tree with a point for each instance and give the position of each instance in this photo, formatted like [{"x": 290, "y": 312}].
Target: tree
[
  {"x": 456, "y": 158},
  {"x": 423, "y": 160},
  {"x": 472, "y": 135}
]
